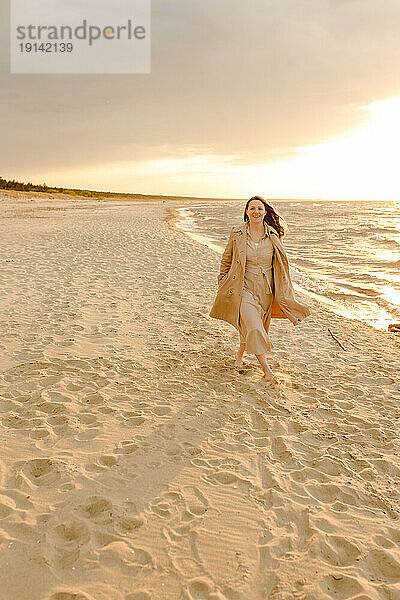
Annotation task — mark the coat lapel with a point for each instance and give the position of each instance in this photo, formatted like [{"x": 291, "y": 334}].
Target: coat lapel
[
  {"x": 241, "y": 240},
  {"x": 240, "y": 234}
]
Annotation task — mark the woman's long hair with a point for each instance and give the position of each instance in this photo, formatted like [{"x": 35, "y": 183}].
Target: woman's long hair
[{"x": 271, "y": 216}]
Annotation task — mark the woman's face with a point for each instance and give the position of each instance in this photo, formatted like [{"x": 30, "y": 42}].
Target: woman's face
[{"x": 256, "y": 211}]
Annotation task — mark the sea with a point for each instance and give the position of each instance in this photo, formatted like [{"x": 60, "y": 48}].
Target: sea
[{"x": 344, "y": 254}]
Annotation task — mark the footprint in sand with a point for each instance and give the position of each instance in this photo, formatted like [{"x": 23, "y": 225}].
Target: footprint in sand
[
  {"x": 104, "y": 539},
  {"x": 39, "y": 433},
  {"x": 94, "y": 398},
  {"x": 53, "y": 396},
  {"x": 166, "y": 505},
  {"x": 120, "y": 554},
  {"x": 134, "y": 421},
  {"x": 88, "y": 419},
  {"x": 340, "y": 586},
  {"x": 68, "y": 541},
  {"x": 97, "y": 509},
  {"x": 160, "y": 411},
  {"x": 201, "y": 589},
  {"x": 162, "y": 509},
  {"x": 383, "y": 566},
  {"x": 71, "y": 532},
  {"x": 107, "y": 461},
  {"x": 42, "y": 471},
  {"x": 393, "y": 535},
  {"x": 126, "y": 447},
  {"x": 335, "y": 550},
  {"x": 124, "y": 526},
  {"x": 180, "y": 451},
  {"x": 6, "y": 508},
  {"x": 88, "y": 435},
  {"x": 380, "y": 540},
  {"x": 57, "y": 420},
  {"x": 16, "y": 422},
  {"x": 224, "y": 477},
  {"x": 227, "y": 478}
]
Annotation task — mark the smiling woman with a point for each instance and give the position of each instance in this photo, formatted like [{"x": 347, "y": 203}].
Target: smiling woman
[{"x": 254, "y": 282}]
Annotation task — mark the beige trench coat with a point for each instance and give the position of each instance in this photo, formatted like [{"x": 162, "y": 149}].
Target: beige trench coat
[{"x": 231, "y": 282}]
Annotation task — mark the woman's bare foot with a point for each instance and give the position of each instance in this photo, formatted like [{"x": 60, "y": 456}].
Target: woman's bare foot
[
  {"x": 268, "y": 374},
  {"x": 269, "y": 377},
  {"x": 239, "y": 365},
  {"x": 239, "y": 357}
]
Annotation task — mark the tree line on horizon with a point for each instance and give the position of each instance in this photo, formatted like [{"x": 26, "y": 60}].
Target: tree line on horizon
[{"x": 13, "y": 184}]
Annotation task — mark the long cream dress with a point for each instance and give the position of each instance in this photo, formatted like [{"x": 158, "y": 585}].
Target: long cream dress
[{"x": 257, "y": 294}]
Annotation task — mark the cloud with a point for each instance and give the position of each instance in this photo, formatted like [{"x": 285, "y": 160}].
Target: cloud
[{"x": 253, "y": 81}]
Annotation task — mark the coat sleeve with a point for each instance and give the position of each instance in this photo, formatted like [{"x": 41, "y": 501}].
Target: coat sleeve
[
  {"x": 226, "y": 259},
  {"x": 293, "y": 275}
]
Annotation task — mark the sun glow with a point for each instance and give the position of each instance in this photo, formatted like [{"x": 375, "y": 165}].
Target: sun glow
[{"x": 362, "y": 164}]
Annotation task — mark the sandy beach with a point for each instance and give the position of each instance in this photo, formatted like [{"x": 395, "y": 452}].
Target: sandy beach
[{"x": 136, "y": 464}]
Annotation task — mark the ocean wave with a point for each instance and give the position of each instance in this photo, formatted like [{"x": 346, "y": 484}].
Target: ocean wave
[
  {"x": 368, "y": 227},
  {"x": 342, "y": 256},
  {"x": 389, "y": 307},
  {"x": 386, "y": 241}
]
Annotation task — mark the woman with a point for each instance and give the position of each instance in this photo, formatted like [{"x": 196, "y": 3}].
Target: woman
[{"x": 254, "y": 282}]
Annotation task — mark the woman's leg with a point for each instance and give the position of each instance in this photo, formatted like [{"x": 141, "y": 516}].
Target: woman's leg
[
  {"x": 268, "y": 374},
  {"x": 253, "y": 336},
  {"x": 239, "y": 354},
  {"x": 242, "y": 343}
]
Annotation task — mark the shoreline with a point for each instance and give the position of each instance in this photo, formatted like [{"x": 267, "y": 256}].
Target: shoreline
[
  {"x": 174, "y": 218},
  {"x": 171, "y": 198},
  {"x": 33, "y": 195},
  {"x": 138, "y": 464}
]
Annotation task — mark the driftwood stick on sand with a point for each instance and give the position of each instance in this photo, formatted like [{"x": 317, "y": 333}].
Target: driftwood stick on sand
[
  {"x": 337, "y": 339},
  {"x": 347, "y": 340}
]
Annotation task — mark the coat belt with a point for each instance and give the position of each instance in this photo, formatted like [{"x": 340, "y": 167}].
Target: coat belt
[
  {"x": 261, "y": 270},
  {"x": 258, "y": 269}
]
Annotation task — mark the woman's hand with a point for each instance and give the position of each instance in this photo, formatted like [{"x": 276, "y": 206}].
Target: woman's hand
[{"x": 226, "y": 259}]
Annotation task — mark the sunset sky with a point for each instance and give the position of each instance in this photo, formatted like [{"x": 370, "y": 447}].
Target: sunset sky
[{"x": 283, "y": 98}]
